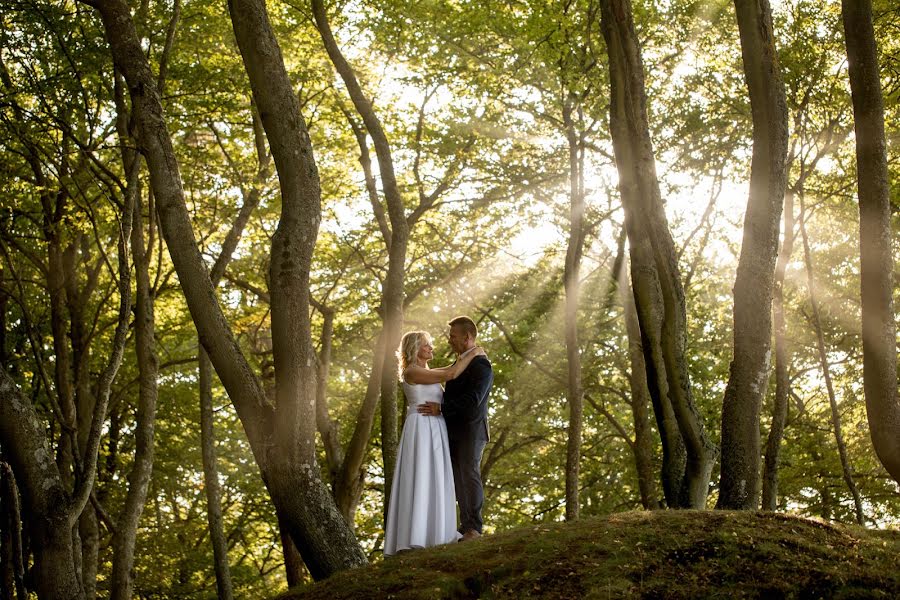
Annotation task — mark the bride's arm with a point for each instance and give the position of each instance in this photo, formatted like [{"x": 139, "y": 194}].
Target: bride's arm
[{"x": 417, "y": 374}]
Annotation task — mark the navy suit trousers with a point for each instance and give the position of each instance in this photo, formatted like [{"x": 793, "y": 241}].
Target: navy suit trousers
[{"x": 465, "y": 454}]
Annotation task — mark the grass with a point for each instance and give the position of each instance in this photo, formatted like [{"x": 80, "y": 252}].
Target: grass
[{"x": 662, "y": 554}]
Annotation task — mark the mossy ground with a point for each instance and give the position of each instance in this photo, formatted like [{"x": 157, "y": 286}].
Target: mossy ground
[{"x": 663, "y": 554}]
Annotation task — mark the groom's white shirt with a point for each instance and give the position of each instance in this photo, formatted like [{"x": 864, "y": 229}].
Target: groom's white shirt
[{"x": 466, "y": 352}]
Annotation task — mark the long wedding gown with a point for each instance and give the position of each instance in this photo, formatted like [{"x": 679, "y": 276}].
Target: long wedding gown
[{"x": 422, "y": 510}]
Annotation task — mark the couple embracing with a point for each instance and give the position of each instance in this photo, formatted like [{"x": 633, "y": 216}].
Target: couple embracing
[{"x": 444, "y": 435}]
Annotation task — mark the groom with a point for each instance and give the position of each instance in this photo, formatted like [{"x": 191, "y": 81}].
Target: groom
[{"x": 465, "y": 411}]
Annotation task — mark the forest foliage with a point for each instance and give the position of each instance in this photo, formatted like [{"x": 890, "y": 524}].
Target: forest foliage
[{"x": 477, "y": 100}]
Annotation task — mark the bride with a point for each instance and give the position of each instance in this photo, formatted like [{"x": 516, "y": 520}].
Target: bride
[{"x": 422, "y": 509}]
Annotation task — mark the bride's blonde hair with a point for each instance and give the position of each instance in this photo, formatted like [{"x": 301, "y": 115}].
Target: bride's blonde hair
[{"x": 409, "y": 349}]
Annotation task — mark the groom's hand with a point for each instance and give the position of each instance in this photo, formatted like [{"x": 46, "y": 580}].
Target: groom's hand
[{"x": 431, "y": 409}]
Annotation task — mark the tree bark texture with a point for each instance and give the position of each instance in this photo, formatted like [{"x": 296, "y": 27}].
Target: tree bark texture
[
  {"x": 282, "y": 439},
  {"x": 658, "y": 293},
  {"x": 876, "y": 259},
  {"x": 571, "y": 279},
  {"x": 753, "y": 285}
]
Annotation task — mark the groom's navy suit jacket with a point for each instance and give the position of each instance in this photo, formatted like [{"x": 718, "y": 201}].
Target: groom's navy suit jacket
[{"x": 466, "y": 401}]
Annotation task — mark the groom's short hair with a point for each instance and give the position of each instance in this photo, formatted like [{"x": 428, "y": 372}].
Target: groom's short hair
[{"x": 466, "y": 324}]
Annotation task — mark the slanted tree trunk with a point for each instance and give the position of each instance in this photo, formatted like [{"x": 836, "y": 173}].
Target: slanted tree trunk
[
  {"x": 846, "y": 468},
  {"x": 658, "y": 294},
  {"x": 328, "y": 429},
  {"x": 749, "y": 371},
  {"x": 282, "y": 437},
  {"x": 782, "y": 383},
  {"x": 876, "y": 259},
  {"x": 574, "y": 389}
]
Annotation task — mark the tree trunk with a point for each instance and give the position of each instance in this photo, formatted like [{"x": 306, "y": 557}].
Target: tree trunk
[
  {"x": 211, "y": 481},
  {"x": 125, "y": 535},
  {"x": 12, "y": 578},
  {"x": 574, "y": 389},
  {"x": 749, "y": 372},
  {"x": 640, "y": 400},
  {"x": 658, "y": 294},
  {"x": 348, "y": 486},
  {"x": 328, "y": 430},
  {"x": 293, "y": 562},
  {"x": 49, "y": 505},
  {"x": 846, "y": 469},
  {"x": 213, "y": 491},
  {"x": 782, "y": 383},
  {"x": 282, "y": 439},
  {"x": 876, "y": 259},
  {"x": 394, "y": 282}
]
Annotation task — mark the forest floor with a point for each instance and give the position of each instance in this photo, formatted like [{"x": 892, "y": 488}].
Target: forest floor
[{"x": 662, "y": 554}]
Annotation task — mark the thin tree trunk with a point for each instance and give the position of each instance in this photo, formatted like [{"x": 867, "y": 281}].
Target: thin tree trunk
[
  {"x": 214, "y": 515},
  {"x": 283, "y": 438},
  {"x": 749, "y": 371},
  {"x": 658, "y": 294},
  {"x": 846, "y": 469},
  {"x": 328, "y": 430},
  {"x": 876, "y": 259},
  {"x": 782, "y": 383},
  {"x": 394, "y": 282},
  {"x": 348, "y": 486},
  {"x": 124, "y": 538},
  {"x": 74, "y": 260},
  {"x": 640, "y": 400},
  {"x": 293, "y": 562},
  {"x": 574, "y": 389},
  {"x": 211, "y": 481}
]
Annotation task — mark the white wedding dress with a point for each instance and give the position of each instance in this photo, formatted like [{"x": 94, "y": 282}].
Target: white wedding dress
[{"x": 422, "y": 511}]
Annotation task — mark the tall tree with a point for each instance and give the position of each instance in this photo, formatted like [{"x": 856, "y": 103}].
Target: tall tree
[
  {"x": 782, "y": 381},
  {"x": 54, "y": 510},
  {"x": 876, "y": 258},
  {"x": 282, "y": 437},
  {"x": 395, "y": 231},
  {"x": 846, "y": 467},
  {"x": 571, "y": 281},
  {"x": 753, "y": 284},
  {"x": 688, "y": 455},
  {"x": 382, "y": 379}
]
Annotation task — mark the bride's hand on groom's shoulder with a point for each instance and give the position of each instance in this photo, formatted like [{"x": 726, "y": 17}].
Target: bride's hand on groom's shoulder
[{"x": 479, "y": 351}]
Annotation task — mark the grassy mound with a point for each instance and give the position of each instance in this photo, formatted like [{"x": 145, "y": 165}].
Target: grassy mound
[{"x": 665, "y": 554}]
